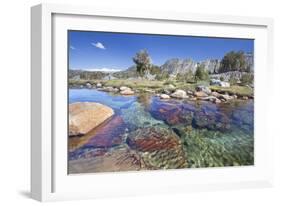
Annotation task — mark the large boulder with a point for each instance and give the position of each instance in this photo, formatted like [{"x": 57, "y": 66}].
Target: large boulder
[
  {"x": 85, "y": 116},
  {"x": 180, "y": 94},
  {"x": 160, "y": 148}
]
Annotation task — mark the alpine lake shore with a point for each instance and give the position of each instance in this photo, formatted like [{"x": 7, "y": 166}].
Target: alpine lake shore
[{"x": 170, "y": 125}]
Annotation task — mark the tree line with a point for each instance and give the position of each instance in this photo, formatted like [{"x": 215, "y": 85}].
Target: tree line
[{"x": 232, "y": 61}]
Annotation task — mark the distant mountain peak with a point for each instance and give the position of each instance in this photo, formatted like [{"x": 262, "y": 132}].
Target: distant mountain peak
[{"x": 104, "y": 69}]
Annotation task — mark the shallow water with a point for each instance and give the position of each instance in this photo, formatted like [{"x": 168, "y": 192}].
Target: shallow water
[{"x": 211, "y": 135}]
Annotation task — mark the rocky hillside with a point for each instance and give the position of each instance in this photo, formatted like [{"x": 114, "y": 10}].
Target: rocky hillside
[
  {"x": 172, "y": 67},
  {"x": 212, "y": 65},
  {"x": 179, "y": 66}
]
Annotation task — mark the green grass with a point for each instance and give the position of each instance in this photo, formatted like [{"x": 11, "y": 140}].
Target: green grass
[
  {"x": 142, "y": 85},
  {"x": 72, "y": 82},
  {"x": 235, "y": 89},
  {"x": 134, "y": 84}
]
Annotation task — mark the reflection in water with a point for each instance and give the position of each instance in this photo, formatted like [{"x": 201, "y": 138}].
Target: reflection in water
[
  {"x": 210, "y": 135},
  {"x": 145, "y": 100}
]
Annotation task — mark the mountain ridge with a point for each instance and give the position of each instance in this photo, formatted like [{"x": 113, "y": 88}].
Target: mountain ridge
[{"x": 172, "y": 67}]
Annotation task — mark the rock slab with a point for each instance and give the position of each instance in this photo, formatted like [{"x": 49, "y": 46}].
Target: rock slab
[{"x": 85, "y": 116}]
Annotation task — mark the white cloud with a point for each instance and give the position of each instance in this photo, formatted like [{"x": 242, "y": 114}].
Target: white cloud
[
  {"x": 72, "y": 47},
  {"x": 108, "y": 70},
  {"x": 98, "y": 45}
]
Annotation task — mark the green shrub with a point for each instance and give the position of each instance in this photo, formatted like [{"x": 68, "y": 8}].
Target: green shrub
[
  {"x": 233, "y": 61},
  {"x": 232, "y": 80},
  {"x": 142, "y": 61},
  {"x": 201, "y": 74},
  {"x": 162, "y": 76},
  {"x": 167, "y": 82},
  {"x": 187, "y": 77},
  {"x": 247, "y": 78}
]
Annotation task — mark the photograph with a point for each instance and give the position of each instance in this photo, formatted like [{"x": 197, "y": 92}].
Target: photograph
[{"x": 140, "y": 102}]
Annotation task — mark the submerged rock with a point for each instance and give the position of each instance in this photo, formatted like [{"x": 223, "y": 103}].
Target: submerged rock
[
  {"x": 202, "y": 114},
  {"x": 108, "y": 135},
  {"x": 160, "y": 148},
  {"x": 85, "y": 116},
  {"x": 202, "y": 120},
  {"x": 117, "y": 159},
  {"x": 211, "y": 121},
  {"x": 207, "y": 148},
  {"x": 242, "y": 116},
  {"x": 173, "y": 114},
  {"x": 136, "y": 116}
]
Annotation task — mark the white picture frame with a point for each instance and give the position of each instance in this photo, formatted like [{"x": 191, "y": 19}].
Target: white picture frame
[{"x": 49, "y": 178}]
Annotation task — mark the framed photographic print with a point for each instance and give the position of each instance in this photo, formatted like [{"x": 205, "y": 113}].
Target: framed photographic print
[{"x": 137, "y": 102}]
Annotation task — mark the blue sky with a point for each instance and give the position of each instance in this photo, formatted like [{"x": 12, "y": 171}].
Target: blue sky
[{"x": 89, "y": 50}]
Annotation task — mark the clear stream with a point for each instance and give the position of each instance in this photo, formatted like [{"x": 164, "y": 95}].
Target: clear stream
[{"x": 212, "y": 134}]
